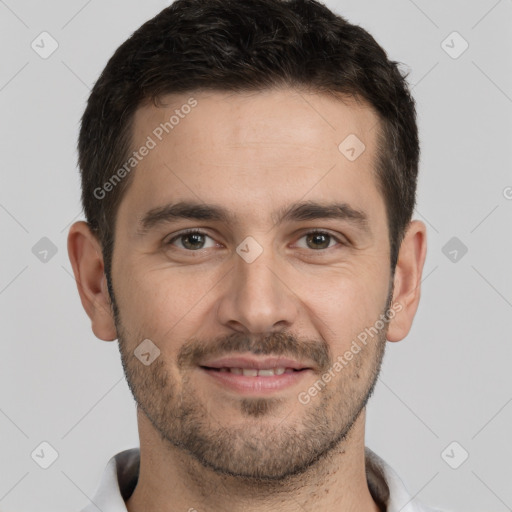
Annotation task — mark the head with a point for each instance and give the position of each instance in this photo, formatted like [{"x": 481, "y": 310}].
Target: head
[{"x": 283, "y": 138}]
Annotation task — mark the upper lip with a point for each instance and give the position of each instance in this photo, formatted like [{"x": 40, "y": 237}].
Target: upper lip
[{"x": 263, "y": 363}]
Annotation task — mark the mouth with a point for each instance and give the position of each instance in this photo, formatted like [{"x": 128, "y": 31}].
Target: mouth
[
  {"x": 250, "y": 375},
  {"x": 254, "y": 372}
]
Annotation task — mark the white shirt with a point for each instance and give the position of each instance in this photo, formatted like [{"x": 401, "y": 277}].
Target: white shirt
[{"x": 122, "y": 471}]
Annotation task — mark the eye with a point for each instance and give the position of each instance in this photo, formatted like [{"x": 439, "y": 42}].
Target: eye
[
  {"x": 195, "y": 240},
  {"x": 318, "y": 240},
  {"x": 191, "y": 240}
]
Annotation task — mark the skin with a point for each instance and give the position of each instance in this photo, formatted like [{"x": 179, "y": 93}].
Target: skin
[{"x": 204, "y": 446}]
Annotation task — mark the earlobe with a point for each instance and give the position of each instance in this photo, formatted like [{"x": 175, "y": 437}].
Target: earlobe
[
  {"x": 407, "y": 280},
  {"x": 86, "y": 258}
]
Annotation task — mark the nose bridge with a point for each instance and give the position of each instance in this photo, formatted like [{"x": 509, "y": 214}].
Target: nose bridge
[
  {"x": 257, "y": 279},
  {"x": 256, "y": 298}
]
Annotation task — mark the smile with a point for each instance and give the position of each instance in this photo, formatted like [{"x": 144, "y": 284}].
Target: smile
[
  {"x": 250, "y": 375},
  {"x": 254, "y": 372}
]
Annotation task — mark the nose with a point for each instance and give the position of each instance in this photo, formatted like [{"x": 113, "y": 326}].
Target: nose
[{"x": 257, "y": 298}]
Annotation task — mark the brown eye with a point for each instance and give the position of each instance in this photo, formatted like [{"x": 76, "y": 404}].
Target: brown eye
[
  {"x": 192, "y": 240},
  {"x": 319, "y": 240}
]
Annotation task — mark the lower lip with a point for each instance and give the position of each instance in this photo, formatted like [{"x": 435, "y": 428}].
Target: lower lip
[{"x": 257, "y": 385}]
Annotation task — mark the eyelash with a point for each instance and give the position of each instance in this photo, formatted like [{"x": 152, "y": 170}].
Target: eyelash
[{"x": 199, "y": 232}]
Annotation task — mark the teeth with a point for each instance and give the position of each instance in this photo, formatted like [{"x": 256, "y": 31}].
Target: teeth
[
  {"x": 266, "y": 373},
  {"x": 253, "y": 372}
]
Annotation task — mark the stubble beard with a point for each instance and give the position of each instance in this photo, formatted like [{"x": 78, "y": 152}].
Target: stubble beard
[{"x": 258, "y": 447}]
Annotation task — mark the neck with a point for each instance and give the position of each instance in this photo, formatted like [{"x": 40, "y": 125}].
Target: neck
[{"x": 171, "y": 480}]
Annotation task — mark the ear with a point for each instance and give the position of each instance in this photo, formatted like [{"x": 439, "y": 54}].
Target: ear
[
  {"x": 86, "y": 258},
  {"x": 407, "y": 279}
]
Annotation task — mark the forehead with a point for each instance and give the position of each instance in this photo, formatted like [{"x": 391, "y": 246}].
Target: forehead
[{"x": 251, "y": 150}]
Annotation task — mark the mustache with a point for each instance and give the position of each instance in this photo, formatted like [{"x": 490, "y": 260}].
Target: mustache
[{"x": 194, "y": 351}]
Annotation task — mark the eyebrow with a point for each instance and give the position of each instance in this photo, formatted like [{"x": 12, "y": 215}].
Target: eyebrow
[{"x": 302, "y": 211}]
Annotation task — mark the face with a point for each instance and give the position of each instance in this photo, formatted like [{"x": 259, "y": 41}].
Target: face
[{"x": 253, "y": 254}]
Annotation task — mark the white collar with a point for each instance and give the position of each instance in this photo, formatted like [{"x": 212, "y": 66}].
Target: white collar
[{"x": 122, "y": 471}]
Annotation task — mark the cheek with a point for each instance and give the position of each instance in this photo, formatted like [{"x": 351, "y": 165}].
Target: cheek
[
  {"x": 346, "y": 304},
  {"x": 159, "y": 302}
]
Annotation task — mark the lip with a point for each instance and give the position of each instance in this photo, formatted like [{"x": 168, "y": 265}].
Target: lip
[
  {"x": 263, "y": 363},
  {"x": 257, "y": 385}
]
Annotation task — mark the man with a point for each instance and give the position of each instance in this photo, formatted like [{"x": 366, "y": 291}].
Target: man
[{"x": 248, "y": 175}]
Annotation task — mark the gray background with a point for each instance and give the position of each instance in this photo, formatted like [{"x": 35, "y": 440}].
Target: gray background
[{"x": 450, "y": 380}]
